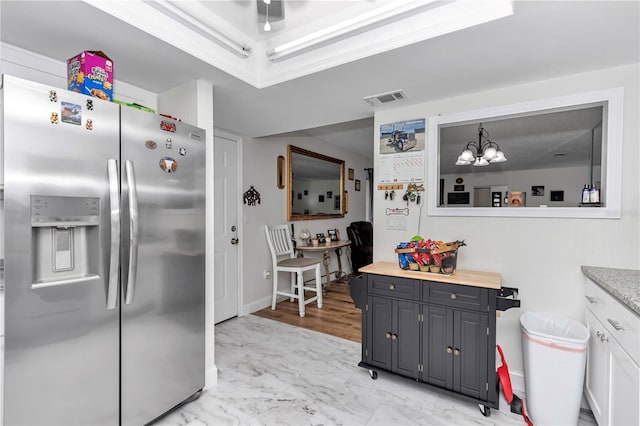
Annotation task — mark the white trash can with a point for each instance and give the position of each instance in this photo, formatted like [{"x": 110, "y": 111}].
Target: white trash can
[{"x": 554, "y": 351}]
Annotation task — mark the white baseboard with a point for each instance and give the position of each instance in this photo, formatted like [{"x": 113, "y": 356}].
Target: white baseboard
[
  {"x": 517, "y": 382},
  {"x": 256, "y": 306},
  {"x": 259, "y": 304},
  {"x": 211, "y": 377}
]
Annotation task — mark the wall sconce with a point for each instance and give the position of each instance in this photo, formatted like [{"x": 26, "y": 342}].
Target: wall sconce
[{"x": 280, "y": 172}]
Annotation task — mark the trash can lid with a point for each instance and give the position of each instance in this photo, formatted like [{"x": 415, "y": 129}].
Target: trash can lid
[{"x": 553, "y": 327}]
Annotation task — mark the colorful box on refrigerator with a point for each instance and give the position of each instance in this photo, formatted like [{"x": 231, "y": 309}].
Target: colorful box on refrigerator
[{"x": 91, "y": 73}]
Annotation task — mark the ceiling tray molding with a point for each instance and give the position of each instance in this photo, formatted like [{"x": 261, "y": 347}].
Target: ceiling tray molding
[
  {"x": 178, "y": 25},
  {"x": 446, "y": 18},
  {"x": 178, "y": 33}
]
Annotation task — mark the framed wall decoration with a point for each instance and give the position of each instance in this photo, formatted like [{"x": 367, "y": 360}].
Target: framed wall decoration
[
  {"x": 458, "y": 188},
  {"x": 351, "y": 174},
  {"x": 329, "y": 194},
  {"x": 557, "y": 196},
  {"x": 537, "y": 191},
  {"x": 457, "y": 198},
  {"x": 280, "y": 175},
  {"x": 517, "y": 199},
  {"x": 357, "y": 185},
  {"x": 321, "y": 198}
]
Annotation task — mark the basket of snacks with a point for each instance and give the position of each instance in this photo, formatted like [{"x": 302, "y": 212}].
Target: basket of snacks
[{"x": 429, "y": 256}]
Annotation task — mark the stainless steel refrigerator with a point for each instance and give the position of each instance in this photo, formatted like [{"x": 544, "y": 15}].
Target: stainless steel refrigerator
[{"x": 104, "y": 259}]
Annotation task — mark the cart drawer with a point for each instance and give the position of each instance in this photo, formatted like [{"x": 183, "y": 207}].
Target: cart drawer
[
  {"x": 402, "y": 288},
  {"x": 456, "y": 296}
]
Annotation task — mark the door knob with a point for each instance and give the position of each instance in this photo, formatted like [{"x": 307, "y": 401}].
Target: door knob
[
  {"x": 453, "y": 296},
  {"x": 388, "y": 335},
  {"x": 234, "y": 241},
  {"x": 449, "y": 349},
  {"x": 456, "y": 351},
  {"x": 394, "y": 337}
]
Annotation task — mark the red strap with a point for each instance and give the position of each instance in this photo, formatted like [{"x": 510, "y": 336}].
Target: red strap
[
  {"x": 525, "y": 417},
  {"x": 501, "y": 354}
]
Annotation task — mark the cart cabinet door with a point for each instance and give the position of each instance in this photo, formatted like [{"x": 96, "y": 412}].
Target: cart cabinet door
[
  {"x": 470, "y": 354},
  {"x": 379, "y": 332},
  {"x": 437, "y": 346},
  {"x": 406, "y": 339}
]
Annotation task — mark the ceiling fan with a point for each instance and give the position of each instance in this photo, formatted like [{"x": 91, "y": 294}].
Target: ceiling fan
[{"x": 269, "y": 11}]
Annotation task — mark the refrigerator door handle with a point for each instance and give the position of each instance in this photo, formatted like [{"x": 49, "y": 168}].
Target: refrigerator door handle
[
  {"x": 114, "y": 258},
  {"x": 133, "y": 232}
]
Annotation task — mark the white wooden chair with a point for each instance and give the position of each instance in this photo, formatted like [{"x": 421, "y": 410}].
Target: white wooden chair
[{"x": 285, "y": 260}]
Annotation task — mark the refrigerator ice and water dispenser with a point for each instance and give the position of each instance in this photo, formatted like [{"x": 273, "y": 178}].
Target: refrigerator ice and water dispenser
[{"x": 65, "y": 239}]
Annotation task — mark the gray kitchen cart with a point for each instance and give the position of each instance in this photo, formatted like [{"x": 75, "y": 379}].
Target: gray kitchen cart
[{"x": 437, "y": 329}]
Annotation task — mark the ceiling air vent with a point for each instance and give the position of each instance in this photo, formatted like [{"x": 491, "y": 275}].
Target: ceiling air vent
[{"x": 385, "y": 98}]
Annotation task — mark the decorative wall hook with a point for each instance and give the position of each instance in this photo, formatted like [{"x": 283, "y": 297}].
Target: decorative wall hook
[
  {"x": 251, "y": 196},
  {"x": 414, "y": 187}
]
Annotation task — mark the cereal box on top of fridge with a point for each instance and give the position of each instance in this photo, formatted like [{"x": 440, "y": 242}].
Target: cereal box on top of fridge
[{"x": 91, "y": 73}]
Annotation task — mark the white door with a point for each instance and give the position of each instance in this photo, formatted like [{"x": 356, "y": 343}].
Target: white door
[
  {"x": 481, "y": 197},
  {"x": 226, "y": 227}
]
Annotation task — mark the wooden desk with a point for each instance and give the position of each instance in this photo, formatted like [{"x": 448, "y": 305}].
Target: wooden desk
[{"x": 326, "y": 248}]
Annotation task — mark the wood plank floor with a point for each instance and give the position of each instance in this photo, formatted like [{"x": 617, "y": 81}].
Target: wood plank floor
[{"x": 338, "y": 316}]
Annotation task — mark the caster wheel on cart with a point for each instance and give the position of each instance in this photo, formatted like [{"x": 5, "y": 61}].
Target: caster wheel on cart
[
  {"x": 486, "y": 411},
  {"x": 373, "y": 374}
]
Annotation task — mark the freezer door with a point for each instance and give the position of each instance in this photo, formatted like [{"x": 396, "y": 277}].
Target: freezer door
[
  {"x": 62, "y": 340},
  {"x": 163, "y": 203}
]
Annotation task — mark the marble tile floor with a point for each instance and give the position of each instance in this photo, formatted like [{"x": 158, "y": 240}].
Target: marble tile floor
[{"x": 270, "y": 373}]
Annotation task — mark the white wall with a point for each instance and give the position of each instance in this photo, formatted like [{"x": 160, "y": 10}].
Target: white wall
[
  {"x": 259, "y": 169},
  {"x": 540, "y": 256},
  {"x": 32, "y": 66}
]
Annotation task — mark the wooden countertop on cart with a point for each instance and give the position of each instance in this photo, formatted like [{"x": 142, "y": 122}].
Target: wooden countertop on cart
[{"x": 460, "y": 276}]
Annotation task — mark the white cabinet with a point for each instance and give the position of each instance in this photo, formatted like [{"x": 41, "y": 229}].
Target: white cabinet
[
  {"x": 612, "y": 384},
  {"x": 596, "y": 386},
  {"x": 624, "y": 385}
]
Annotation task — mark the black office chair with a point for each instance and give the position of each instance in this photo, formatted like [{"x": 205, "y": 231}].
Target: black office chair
[{"x": 361, "y": 236}]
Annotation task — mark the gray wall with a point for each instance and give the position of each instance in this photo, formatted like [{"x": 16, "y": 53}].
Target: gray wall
[{"x": 259, "y": 169}]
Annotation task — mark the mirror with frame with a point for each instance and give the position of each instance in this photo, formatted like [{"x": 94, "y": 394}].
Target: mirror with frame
[
  {"x": 316, "y": 185},
  {"x": 553, "y": 148}
]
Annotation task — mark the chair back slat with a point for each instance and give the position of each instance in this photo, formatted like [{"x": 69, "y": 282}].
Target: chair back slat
[{"x": 279, "y": 240}]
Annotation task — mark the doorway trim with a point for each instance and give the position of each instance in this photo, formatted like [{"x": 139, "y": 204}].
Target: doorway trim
[{"x": 238, "y": 139}]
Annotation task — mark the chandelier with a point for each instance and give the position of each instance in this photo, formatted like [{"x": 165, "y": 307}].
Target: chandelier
[{"x": 486, "y": 151}]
